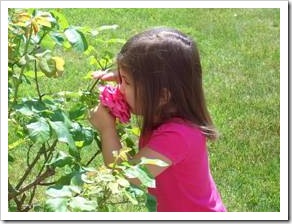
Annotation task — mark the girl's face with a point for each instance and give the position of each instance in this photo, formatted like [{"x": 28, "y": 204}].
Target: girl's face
[{"x": 128, "y": 90}]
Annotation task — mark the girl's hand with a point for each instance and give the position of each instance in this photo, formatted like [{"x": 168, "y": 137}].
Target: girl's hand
[
  {"x": 106, "y": 76},
  {"x": 105, "y": 123},
  {"x": 101, "y": 119}
]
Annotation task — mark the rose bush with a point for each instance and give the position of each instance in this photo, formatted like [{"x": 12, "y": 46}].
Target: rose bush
[{"x": 50, "y": 144}]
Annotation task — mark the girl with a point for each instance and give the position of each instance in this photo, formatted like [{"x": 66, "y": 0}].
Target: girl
[{"x": 161, "y": 79}]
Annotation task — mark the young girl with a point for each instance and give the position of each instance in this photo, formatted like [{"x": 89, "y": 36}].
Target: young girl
[{"x": 161, "y": 79}]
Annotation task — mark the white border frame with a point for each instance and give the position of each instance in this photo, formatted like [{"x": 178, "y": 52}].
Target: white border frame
[{"x": 282, "y": 215}]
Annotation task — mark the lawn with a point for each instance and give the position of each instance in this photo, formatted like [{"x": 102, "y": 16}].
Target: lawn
[{"x": 240, "y": 52}]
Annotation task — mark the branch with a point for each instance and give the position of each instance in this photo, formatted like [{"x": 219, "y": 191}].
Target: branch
[
  {"x": 36, "y": 159},
  {"x": 93, "y": 157},
  {"x": 49, "y": 172},
  {"x": 28, "y": 170}
]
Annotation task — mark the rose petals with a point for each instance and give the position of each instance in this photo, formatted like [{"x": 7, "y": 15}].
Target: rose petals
[{"x": 112, "y": 98}]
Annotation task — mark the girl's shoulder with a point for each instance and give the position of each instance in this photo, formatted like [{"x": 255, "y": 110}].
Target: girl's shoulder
[
  {"x": 175, "y": 139},
  {"x": 179, "y": 125},
  {"x": 180, "y": 131}
]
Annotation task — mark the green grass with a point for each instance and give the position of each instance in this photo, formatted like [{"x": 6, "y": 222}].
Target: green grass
[{"x": 241, "y": 65}]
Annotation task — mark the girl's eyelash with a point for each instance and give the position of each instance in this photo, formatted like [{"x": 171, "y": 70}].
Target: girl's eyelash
[
  {"x": 127, "y": 83},
  {"x": 120, "y": 78},
  {"x": 123, "y": 80}
]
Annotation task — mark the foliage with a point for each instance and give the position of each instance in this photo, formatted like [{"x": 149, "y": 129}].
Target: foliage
[
  {"x": 100, "y": 189},
  {"x": 51, "y": 129}
]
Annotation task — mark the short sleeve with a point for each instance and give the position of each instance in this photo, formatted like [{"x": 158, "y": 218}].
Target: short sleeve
[{"x": 170, "y": 142}]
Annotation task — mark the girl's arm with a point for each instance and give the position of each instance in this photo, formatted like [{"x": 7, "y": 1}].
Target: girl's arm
[{"x": 104, "y": 122}]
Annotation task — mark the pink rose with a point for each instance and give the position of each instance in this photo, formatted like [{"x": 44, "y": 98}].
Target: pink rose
[{"x": 112, "y": 98}]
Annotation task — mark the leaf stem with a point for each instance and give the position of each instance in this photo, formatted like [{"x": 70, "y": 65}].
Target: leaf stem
[
  {"x": 18, "y": 81},
  {"x": 36, "y": 81},
  {"x": 94, "y": 84}
]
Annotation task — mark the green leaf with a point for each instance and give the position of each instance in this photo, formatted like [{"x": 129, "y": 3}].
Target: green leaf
[
  {"x": 76, "y": 39},
  {"x": 135, "y": 190},
  {"x": 59, "y": 191},
  {"x": 63, "y": 133},
  {"x": 57, "y": 38},
  {"x": 30, "y": 107},
  {"x": 48, "y": 42},
  {"x": 48, "y": 66},
  {"x": 56, "y": 205},
  {"x": 10, "y": 159},
  {"x": 151, "y": 203},
  {"x": 65, "y": 180},
  {"x": 39, "y": 131},
  {"x": 62, "y": 21},
  {"x": 77, "y": 111},
  {"x": 130, "y": 197},
  {"x": 141, "y": 174},
  {"x": 60, "y": 115},
  {"x": 61, "y": 160},
  {"x": 79, "y": 204},
  {"x": 81, "y": 134}
]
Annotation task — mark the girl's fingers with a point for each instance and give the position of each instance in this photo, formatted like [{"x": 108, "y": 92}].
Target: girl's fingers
[
  {"x": 98, "y": 74},
  {"x": 106, "y": 76}
]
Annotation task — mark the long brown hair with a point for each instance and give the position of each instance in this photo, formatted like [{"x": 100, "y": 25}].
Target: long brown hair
[{"x": 165, "y": 63}]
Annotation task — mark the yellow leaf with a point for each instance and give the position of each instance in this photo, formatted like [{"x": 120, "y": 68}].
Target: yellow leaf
[
  {"x": 59, "y": 63},
  {"x": 115, "y": 154},
  {"x": 156, "y": 162},
  {"x": 114, "y": 187},
  {"x": 59, "y": 66},
  {"x": 123, "y": 182},
  {"x": 123, "y": 153},
  {"x": 123, "y": 156},
  {"x": 79, "y": 144},
  {"x": 136, "y": 131},
  {"x": 22, "y": 18},
  {"x": 43, "y": 21},
  {"x": 125, "y": 149},
  {"x": 35, "y": 26}
]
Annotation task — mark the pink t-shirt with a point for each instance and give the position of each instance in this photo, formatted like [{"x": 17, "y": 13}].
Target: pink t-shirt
[{"x": 187, "y": 185}]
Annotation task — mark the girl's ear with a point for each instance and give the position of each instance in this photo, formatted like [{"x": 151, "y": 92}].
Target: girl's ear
[{"x": 164, "y": 97}]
